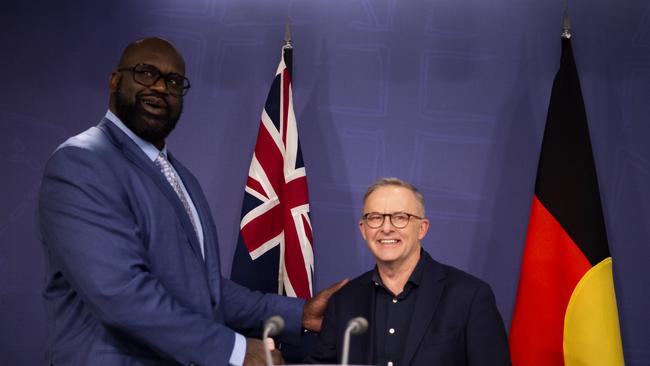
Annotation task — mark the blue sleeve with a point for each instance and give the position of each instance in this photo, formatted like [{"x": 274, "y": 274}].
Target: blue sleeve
[{"x": 244, "y": 308}]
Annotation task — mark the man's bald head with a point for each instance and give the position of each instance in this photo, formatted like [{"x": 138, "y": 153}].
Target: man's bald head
[{"x": 134, "y": 51}]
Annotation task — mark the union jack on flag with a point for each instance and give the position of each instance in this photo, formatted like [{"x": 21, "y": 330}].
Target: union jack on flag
[{"x": 274, "y": 253}]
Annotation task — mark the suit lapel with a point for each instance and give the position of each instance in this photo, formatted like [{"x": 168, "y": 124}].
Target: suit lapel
[
  {"x": 425, "y": 306},
  {"x": 210, "y": 243},
  {"x": 134, "y": 154},
  {"x": 362, "y": 346},
  {"x": 370, "y": 333},
  {"x": 180, "y": 210}
]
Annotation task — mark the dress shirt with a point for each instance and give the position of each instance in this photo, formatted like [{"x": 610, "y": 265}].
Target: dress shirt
[{"x": 392, "y": 315}]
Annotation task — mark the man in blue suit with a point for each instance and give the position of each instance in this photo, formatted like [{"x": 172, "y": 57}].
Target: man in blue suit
[
  {"x": 420, "y": 312},
  {"x": 131, "y": 248}
]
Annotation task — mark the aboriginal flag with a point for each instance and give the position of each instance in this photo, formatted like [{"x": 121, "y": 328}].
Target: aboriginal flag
[{"x": 565, "y": 312}]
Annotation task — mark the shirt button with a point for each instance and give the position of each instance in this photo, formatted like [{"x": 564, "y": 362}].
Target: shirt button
[
  {"x": 390, "y": 363},
  {"x": 394, "y": 301},
  {"x": 391, "y": 330}
]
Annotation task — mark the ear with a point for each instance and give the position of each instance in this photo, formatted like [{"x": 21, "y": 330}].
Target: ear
[
  {"x": 424, "y": 228},
  {"x": 361, "y": 229},
  {"x": 114, "y": 80}
]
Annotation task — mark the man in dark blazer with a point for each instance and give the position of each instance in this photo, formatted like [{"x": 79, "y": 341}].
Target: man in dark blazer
[
  {"x": 419, "y": 311},
  {"x": 132, "y": 254}
]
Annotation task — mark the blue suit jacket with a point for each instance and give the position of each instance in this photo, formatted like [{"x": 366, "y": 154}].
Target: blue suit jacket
[
  {"x": 127, "y": 284},
  {"x": 455, "y": 322}
]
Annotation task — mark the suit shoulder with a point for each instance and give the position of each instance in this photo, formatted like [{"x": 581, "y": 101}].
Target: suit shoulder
[
  {"x": 89, "y": 151},
  {"x": 90, "y": 139},
  {"x": 352, "y": 288},
  {"x": 455, "y": 277},
  {"x": 458, "y": 275},
  {"x": 462, "y": 290}
]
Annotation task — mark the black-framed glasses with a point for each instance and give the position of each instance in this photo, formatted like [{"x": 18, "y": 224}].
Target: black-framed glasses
[
  {"x": 148, "y": 75},
  {"x": 399, "y": 220}
]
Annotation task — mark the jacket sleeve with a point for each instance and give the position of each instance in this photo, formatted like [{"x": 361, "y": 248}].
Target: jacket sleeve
[
  {"x": 487, "y": 343},
  {"x": 244, "y": 308},
  {"x": 325, "y": 351}
]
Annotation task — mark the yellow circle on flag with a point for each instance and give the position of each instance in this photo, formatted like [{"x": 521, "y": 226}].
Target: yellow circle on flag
[{"x": 591, "y": 329}]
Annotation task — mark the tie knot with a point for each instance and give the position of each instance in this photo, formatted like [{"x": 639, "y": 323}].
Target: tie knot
[
  {"x": 161, "y": 158},
  {"x": 163, "y": 164}
]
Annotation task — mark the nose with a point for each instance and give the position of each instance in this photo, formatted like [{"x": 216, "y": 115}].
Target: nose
[
  {"x": 160, "y": 86},
  {"x": 387, "y": 226}
]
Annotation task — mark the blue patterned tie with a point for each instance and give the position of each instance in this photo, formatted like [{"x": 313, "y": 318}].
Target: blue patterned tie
[{"x": 163, "y": 164}]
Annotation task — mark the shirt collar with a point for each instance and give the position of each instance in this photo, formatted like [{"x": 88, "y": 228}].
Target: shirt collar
[
  {"x": 147, "y": 147},
  {"x": 415, "y": 278}
]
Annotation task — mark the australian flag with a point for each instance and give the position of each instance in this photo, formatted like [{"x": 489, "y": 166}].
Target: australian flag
[{"x": 274, "y": 251}]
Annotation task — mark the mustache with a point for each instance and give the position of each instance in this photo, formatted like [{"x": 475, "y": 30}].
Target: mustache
[{"x": 146, "y": 94}]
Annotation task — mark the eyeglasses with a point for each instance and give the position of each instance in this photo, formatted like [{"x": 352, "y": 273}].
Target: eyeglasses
[
  {"x": 148, "y": 75},
  {"x": 399, "y": 220}
]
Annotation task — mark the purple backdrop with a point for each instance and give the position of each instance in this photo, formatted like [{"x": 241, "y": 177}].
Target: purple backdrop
[{"x": 449, "y": 94}]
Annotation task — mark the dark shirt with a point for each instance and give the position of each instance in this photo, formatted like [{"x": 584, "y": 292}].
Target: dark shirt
[{"x": 392, "y": 317}]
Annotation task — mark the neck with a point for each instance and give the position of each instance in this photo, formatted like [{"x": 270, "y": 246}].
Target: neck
[{"x": 395, "y": 275}]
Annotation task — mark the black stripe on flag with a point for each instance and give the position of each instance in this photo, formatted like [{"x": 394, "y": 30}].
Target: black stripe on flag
[{"x": 566, "y": 181}]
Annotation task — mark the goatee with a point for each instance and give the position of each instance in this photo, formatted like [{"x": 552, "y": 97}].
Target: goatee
[{"x": 149, "y": 127}]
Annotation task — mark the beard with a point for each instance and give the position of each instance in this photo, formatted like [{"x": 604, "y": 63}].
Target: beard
[{"x": 147, "y": 126}]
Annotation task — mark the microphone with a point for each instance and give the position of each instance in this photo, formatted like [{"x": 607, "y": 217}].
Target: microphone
[
  {"x": 356, "y": 326},
  {"x": 272, "y": 327}
]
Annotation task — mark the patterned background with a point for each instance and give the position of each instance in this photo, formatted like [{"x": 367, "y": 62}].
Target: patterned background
[{"x": 449, "y": 94}]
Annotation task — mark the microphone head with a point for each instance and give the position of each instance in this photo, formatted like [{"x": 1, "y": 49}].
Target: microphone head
[
  {"x": 358, "y": 325},
  {"x": 274, "y": 325}
]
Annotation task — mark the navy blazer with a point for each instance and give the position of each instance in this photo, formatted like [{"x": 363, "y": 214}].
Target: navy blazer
[
  {"x": 126, "y": 282},
  {"x": 455, "y": 322}
]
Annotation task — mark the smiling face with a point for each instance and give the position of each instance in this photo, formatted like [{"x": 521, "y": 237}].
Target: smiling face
[
  {"x": 392, "y": 247},
  {"x": 151, "y": 112}
]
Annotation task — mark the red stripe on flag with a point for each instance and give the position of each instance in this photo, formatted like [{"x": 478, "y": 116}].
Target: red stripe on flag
[
  {"x": 256, "y": 186},
  {"x": 295, "y": 192},
  {"x": 294, "y": 260},
  {"x": 271, "y": 159},
  {"x": 551, "y": 267},
  {"x": 262, "y": 228}
]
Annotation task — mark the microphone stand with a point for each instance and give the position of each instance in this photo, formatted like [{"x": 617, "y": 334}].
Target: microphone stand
[
  {"x": 355, "y": 326},
  {"x": 273, "y": 326}
]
